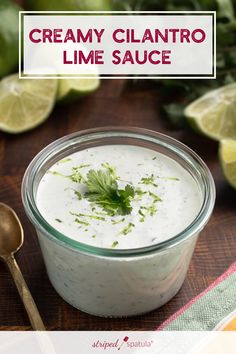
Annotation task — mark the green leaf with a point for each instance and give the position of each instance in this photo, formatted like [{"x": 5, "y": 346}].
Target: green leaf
[
  {"x": 226, "y": 9},
  {"x": 100, "y": 182},
  {"x": 103, "y": 190}
]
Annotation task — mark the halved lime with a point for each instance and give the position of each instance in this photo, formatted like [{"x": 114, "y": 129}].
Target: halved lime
[
  {"x": 71, "y": 89},
  {"x": 228, "y": 160},
  {"x": 9, "y": 35},
  {"x": 25, "y": 103},
  {"x": 214, "y": 114}
]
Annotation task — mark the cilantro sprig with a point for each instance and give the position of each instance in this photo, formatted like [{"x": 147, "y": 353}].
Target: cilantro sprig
[{"x": 103, "y": 190}]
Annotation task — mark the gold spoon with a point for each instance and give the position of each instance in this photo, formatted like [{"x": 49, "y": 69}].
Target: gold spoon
[{"x": 11, "y": 239}]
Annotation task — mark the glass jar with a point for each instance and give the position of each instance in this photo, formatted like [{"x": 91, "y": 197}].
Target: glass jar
[{"x": 117, "y": 282}]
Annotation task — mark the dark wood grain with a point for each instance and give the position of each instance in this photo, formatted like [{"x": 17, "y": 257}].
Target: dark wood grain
[{"x": 115, "y": 103}]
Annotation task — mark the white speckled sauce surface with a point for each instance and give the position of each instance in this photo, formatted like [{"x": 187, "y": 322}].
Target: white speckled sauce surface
[{"x": 179, "y": 204}]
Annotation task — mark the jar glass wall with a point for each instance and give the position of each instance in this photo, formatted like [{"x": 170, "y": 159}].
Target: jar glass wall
[{"x": 117, "y": 282}]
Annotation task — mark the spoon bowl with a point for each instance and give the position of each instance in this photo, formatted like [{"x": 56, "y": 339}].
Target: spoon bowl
[{"x": 11, "y": 231}]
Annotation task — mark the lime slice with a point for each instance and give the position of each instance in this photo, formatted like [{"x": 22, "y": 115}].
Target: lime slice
[
  {"x": 71, "y": 89},
  {"x": 228, "y": 160},
  {"x": 214, "y": 114},
  {"x": 25, "y": 103}
]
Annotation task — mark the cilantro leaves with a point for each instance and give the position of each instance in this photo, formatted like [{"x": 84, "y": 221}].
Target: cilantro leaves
[{"x": 103, "y": 190}]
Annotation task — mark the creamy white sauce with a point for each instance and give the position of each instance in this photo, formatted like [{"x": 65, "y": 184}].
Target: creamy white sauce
[{"x": 179, "y": 193}]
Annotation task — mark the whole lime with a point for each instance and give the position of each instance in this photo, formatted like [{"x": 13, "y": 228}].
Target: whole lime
[
  {"x": 9, "y": 33},
  {"x": 68, "y": 5}
]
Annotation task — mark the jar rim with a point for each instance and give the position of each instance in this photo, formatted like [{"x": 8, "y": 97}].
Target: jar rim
[{"x": 59, "y": 149}]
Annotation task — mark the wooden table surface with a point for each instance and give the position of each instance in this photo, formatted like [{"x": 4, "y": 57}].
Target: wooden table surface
[{"x": 116, "y": 103}]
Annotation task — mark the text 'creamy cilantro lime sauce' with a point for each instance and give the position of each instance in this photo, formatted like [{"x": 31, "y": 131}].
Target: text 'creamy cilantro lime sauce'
[{"x": 118, "y": 196}]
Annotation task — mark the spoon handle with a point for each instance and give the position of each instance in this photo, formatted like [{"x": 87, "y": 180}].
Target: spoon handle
[{"x": 28, "y": 301}]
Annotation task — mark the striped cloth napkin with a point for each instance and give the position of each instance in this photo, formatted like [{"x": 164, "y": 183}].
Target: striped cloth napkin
[{"x": 213, "y": 309}]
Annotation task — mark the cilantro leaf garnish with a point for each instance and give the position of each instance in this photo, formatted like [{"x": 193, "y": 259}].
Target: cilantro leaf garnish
[
  {"x": 103, "y": 190},
  {"x": 110, "y": 169}
]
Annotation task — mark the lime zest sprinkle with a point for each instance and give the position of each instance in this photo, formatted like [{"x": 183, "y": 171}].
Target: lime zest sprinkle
[
  {"x": 155, "y": 197},
  {"x": 55, "y": 173},
  {"x": 98, "y": 212},
  {"x": 154, "y": 158},
  {"x": 169, "y": 178},
  {"x": 58, "y": 220},
  {"x": 148, "y": 180},
  {"x": 142, "y": 214},
  {"x": 114, "y": 244},
  {"x": 67, "y": 159},
  {"x": 117, "y": 222},
  {"x": 78, "y": 194},
  {"x": 127, "y": 229},
  {"x": 81, "y": 222},
  {"x": 151, "y": 210},
  {"x": 76, "y": 176},
  {"x": 96, "y": 217},
  {"x": 140, "y": 192},
  {"x": 93, "y": 236},
  {"x": 83, "y": 165}
]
